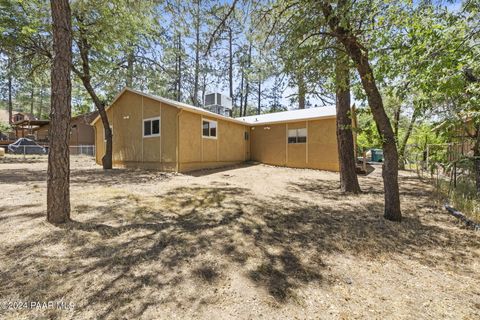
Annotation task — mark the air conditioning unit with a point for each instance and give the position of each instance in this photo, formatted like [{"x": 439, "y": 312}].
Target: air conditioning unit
[{"x": 219, "y": 103}]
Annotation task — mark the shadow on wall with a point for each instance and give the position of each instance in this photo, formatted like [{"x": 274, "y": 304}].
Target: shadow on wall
[
  {"x": 138, "y": 252},
  {"x": 206, "y": 172}
]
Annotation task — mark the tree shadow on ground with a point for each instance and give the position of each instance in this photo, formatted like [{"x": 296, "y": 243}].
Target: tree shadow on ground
[
  {"x": 95, "y": 176},
  {"x": 132, "y": 255}
]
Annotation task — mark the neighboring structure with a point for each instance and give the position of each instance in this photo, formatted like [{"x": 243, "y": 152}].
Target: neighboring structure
[
  {"x": 81, "y": 132},
  {"x": 25, "y": 124},
  {"x": 154, "y": 132},
  {"x": 21, "y": 116}
]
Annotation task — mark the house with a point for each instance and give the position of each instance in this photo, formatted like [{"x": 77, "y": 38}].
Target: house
[
  {"x": 25, "y": 124},
  {"x": 21, "y": 116},
  {"x": 81, "y": 132},
  {"x": 158, "y": 133}
]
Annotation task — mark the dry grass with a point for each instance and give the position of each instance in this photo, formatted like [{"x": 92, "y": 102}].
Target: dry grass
[{"x": 248, "y": 242}]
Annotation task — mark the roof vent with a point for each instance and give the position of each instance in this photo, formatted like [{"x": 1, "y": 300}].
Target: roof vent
[{"x": 219, "y": 103}]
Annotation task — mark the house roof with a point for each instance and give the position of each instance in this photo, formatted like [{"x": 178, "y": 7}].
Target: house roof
[
  {"x": 291, "y": 115},
  {"x": 174, "y": 103},
  {"x": 86, "y": 118},
  {"x": 285, "y": 116},
  {"x": 21, "y": 123}
]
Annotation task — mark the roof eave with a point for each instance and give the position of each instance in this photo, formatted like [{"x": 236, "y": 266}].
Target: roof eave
[{"x": 290, "y": 121}]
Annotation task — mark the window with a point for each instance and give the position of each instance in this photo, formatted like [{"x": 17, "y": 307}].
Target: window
[
  {"x": 297, "y": 135},
  {"x": 247, "y": 136},
  {"x": 209, "y": 129},
  {"x": 151, "y": 127}
]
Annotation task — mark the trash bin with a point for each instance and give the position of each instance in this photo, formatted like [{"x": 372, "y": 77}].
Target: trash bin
[{"x": 377, "y": 155}]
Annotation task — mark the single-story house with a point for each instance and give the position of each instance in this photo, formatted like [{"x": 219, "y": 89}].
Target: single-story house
[{"x": 158, "y": 133}]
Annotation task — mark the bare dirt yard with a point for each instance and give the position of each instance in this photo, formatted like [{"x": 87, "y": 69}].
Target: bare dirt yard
[{"x": 250, "y": 242}]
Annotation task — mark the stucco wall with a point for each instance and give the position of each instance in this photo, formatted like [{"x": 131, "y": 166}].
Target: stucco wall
[
  {"x": 270, "y": 145},
  {"x": 266, "y": 143},
  {"x": 130, "y": 148},
  {"x": 198, "y": 152}
]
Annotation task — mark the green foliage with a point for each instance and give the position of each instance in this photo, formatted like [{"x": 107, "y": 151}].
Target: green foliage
[
  {"x": 367, "y": 132},
  {"x": 5, "y": 127}
]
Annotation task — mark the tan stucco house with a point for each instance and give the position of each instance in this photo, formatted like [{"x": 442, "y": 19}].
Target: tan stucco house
[{"x": 158, "y": 133}]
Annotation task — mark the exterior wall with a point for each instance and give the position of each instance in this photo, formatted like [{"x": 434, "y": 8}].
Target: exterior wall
[
  {"x": 130, "y": 148},
  {"x": 266, "y": 143},
  {"x": 82, "y": 134},
  {"x": 198, "y": 152},
  {"x": 42, "y": 133},
  {"x": 270, "y": 145}
]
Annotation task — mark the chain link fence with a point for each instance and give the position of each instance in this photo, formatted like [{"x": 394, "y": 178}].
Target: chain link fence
[{"x": 38, "y": 150}]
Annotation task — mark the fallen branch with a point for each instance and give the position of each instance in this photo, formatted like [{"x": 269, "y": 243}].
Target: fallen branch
[{"x": 463, "y": 218}]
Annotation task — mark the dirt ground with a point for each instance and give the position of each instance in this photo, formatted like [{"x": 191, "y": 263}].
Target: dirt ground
[{"x": 250, "y": 242}]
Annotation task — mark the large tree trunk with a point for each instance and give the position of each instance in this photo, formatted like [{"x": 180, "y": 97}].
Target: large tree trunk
[
  {"x": 346, "y": 154},
  {"x": 58, "y": 175},
  {"x": 360, "y": 58}
]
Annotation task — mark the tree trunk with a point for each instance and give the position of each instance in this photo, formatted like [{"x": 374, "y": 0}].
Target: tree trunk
[
  {"x": 346, "y": 154},
  {"x": 130, "y": 64},
  {"x": 360, "y": 58},
  {"x": 179, "y": 75},
  {"x": 40, "y": 105},
  {"x": 107, "y": 158},
  {"x": 197, "y": 55},
  {"x": 301, "y": 91},
  {"x": 396, "y": 121},
  {"x": 403, "y": 144},
  {"x": 10, "y": 101},
  {"x": 58, "y": 175},
  {"x": 241, "y": 91},
  {"x": 259, "y": 105},
  {"x": 247, "y": 80},
  {"x": 32, "y": 94},
  {"x": 230, "y": 62},
  {"x": 84, "y": 48}
]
